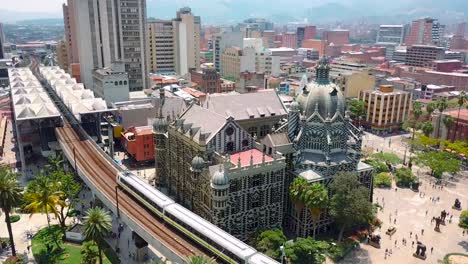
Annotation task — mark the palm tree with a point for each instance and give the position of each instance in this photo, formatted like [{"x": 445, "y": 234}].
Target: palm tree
[
  {"x": 316, "y": 199},
  {"x": 297, "y": 191},
  {"x": 10, "y": 197},
  {"x": 462, "y": 98},
  {"x": 430, "y": 107},
  {"x": 42, "y": 197},
  {"x": 442, "y": 104},
  {"x": 89, "y": 252},
  {"x": 97, "y": 223},
  {"x": 417, "y": 112},
  {"x": 448, "y": 122},
  {"x": 200, "y": 260},
  {"x": 54, "y": 163},
  {"x": 427, "y": 128}
]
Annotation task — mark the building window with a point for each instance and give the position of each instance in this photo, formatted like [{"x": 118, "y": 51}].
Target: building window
[
  {"x": 230, "y": 146},
  {"x": 229, "y": 131}
]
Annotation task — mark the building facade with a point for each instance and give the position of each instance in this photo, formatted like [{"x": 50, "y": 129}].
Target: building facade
[
  {"x": 62, "y": 55},
  {"x": 235, "y": 60},
  {"x": 208, "y": 80},
  {"x": 423, "y": 55},
  {"x": 2, "y": 42},
  {"x": 425, "y": 31},
  {"x": 70, "y": 33},
  {"x": 187, "y": 29},
  {"x": 138, "y": 143},
  {"x": 112, "y": 83},
  {"x": 387, "y": 108},
  {"x": 161, "y": 48},
  {"x": 112, "y": 31},
  {"x": 290, "y": 40},
  {"x": 391, "y": 34},
  {"x": 337, "y": 36}
]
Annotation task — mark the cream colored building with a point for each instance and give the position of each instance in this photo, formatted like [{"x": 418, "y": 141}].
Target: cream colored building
[
  {"x": 386, "y": 108},
  {"x": 161, "y": 46},
  {"x": 235, "y": 60},
  {"x": 187, "y": 29},
  {"x": 353, "y": 82}
]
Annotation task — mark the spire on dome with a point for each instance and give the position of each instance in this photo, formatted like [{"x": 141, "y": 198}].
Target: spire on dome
[
  {"x": 304, "y": 82},
  {"x": 322, "y": 70}
]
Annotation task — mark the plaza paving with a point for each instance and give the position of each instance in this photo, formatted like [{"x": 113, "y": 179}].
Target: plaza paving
[{"x": 409, "y": 209}]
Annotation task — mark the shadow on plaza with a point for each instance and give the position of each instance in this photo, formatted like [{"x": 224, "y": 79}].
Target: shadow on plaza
[
  {"x": 359, "y": 256},
  {"x": 464, "y": 244}
]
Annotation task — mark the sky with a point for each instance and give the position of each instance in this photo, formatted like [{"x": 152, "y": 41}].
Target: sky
[{"x": 220, "y": 11}]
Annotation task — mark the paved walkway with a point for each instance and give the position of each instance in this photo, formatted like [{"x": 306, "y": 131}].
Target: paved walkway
[{"x": 409, "y": 210}]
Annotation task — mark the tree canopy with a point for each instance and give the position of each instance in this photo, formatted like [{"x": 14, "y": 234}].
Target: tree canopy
[
  {"x": 427, "y": 128},
  {"x": 269, "y": 242},
  {"x": 439, "y": 162},
  {"x": 306, "y": 251},
  {"x": 404, "y": 177},
  {"x": 383, "y": 179},
  {"x": 357, "y": 109},
  {"x": 387, "y": 157},
  {"x": 350, "y": 203},
  {"x": 463, "y": 220}
]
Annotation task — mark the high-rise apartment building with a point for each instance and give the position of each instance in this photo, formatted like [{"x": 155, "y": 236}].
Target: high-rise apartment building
[
  {"x": 423, "y": 55},
  {"x": 2, "y": 42},
  {"x": 62, "y": 54},
  {"x": 425, "y": 31},
  {"x": 222, "y": 41},
  {"x": 337, "y": 36},
  {"x": 305, "y": 32},
  {"x": 290, "y": 40},
  {"x": 111, "y": 31},
  {"x": 187, "y": 29},
  {"x": 70, "y": 29},
  {"x": 235, "y": 60},
  {"x": 161, "y": 48},
  {"x": 390, "y": 34}
]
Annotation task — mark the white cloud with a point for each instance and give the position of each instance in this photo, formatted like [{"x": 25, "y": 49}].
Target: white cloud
[{"x": 43, "y": 6}]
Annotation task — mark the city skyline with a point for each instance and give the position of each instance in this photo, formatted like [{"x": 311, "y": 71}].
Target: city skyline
[{"x": 229, "y": 11}]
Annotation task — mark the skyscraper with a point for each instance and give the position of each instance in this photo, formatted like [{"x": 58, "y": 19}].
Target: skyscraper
[
  {"x": 425, "y": 31},
  {"x": 161, "y": 50},
  {"x": 112, "y": 31},
  {"x": 187, "y": 29},
  {"x": 71, "y": 42},
  {"x": 306, "y": 32},
  {"x": 2, "y": 42},
  {"x": 390, "y": 34}
]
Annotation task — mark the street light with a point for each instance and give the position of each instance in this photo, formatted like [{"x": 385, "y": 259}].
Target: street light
[{"x": 283, "y": 255}]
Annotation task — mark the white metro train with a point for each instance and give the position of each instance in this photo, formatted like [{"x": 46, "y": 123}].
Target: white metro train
[{"x": 227, "y": 248}]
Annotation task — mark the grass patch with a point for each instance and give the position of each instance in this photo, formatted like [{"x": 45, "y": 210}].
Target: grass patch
[
  {"x": 446, "y": 258},
  {"x": 15, "y": 218},
  {"x": 339, "y": 250},
  {"x": 68, "y": 254}
]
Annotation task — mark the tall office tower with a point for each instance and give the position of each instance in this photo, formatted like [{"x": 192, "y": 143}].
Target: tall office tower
[
  {"x": 425, "y": 31},
  {"x": 112, "y": 31},
  {"x": 305, "y": 32},
  {"x": 71, "y": 42},
  {"x": 337, "y": 36},
  {"x": 2, "y": 42},
  {"x": 187, "y": 41},
  {"x": 161, "y": 46},
  {"x": 390, "y": 34},
  {"x": 222, "y": 41},
  {"x": 290, "y": 40},
  {"x": 461, "y": 28}
]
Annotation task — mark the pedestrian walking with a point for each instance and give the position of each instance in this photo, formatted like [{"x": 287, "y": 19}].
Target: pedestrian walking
[
  {"x": 463, "y": 232},
  {"x": 394, "y": 221},
  {"x": 410, "y": 234},
  {"x": 422, "y": 231},
  {"x": 390, "y": 251},
  {"x": 396, "y": 242},
  {"x": 416, "y": 236},
  {"x": 412, "y": 244},
  {"x": 432, "y": 249},
  {"x": 427, "y": 212}
]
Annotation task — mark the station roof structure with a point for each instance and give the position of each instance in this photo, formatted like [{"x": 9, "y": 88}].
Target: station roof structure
[
  {"x": 30, "y": 100},
  {"x": 75, "y": 96}
]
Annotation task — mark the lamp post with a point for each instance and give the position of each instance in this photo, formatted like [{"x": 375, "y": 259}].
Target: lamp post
[
  {"x": 117, "y": 199},
  {"x": 283, "y": 255}
]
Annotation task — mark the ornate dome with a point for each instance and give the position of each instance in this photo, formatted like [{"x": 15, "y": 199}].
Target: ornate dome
[
  {"x": 220, "y": 179},
  {"x": 321, "y": 94},
  {"x": 160, "y": 125},
  {"x": 198, "y": 164}
]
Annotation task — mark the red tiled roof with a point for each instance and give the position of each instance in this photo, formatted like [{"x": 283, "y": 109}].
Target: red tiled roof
[{"x": 245, "y": 157}]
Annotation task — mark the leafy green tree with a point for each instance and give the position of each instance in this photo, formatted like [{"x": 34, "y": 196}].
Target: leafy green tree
[
  {"x": 42, "y": 196},
  {"x": 10, "y": 197},
  {"x": 417, "y": 112},
  {"x": 430, "y": 108},
  {"x": 463, "y": 220},
  {"x": 462, "y": 98},
  {"x": 404, "y": 177},
  {"x": 269, "y": 242},
  {"x": 378, "y": 166},
  {"x": 442, "y": 104},
  {"x": 357, "y": 109},
  {"x": 350, "y": 203},
  {"x": 89, "y": 253},
  {"x": 55, "y": 163},
  {"x": 69, "y": 188},
  {"x": 439, "y": 162},
  {"x": 312, "y": 195},
  {"x": 306, "y": 251},
  {"x": 200, "y": 260},
  {"x": 382, "y": 179},
  {"x": 448, "y": 122},
  {"x": 97, "y": 224},
  {"x": 427, "y": 128}
]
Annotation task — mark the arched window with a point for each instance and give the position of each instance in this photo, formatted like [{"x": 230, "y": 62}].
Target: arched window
[
  {"x": 120, "y": 83},
  {"x": 230, "y": 146}
]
